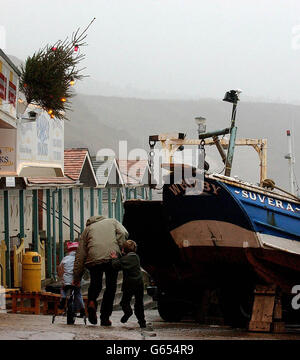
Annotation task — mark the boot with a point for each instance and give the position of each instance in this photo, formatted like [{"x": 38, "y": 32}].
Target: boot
[
  {"x": 144, "y": 326},
  {"x": 125, "y": 317},
  {"x": 62, "y": 303},
  {"x": 105, "y": 322},
  {"x": 92, "y": 312}
]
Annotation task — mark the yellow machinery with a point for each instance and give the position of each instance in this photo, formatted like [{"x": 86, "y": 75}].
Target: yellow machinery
[{"x": 31, "y": 272}]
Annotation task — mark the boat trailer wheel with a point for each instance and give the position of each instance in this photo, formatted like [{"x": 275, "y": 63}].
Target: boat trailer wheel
[{"x": 170, "y": 310}]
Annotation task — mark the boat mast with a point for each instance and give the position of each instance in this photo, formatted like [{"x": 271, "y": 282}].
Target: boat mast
[{"x": 231, "y": 96}]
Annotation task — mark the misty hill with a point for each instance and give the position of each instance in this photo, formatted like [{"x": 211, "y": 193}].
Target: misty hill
[{"x": 99, "y": 121}]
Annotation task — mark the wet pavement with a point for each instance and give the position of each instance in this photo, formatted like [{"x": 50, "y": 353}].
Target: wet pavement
[{"x": 40, "y": 327}]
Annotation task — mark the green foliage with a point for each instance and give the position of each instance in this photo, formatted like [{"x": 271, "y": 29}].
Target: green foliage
[{"x": 47, "y": 74}]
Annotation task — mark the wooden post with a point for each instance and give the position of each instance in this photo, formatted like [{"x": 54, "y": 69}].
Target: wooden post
[
  {"x": 71, "y": 214},
  {"x": 122, "y": 210},
  {"x": 7, "y": 238},
  {"x": 263, "y": 164},
  {"x": 3, "y": 249},
  {"x": 40, "y": 193},
  {"x": 54, "y": 234},
  {"x": 42, "y": 252},
  {"x": 261, "y": 149},
  {"x": 49, "y": 245},
  {"x": 118, "y": 205},
  {"x": 267, "y": 311},
  {"x": 60, "y": 225},
  {"x": 150, "y": 194},
  {"x": 81, "y": 210},
  {"x": 169, "y": 149},
  {"x": 263, "y": 307},
  {"x": 21, "y": 213},
  {"x": 99, "y": 201},
  {"x": 110, "y": 210},
  {"x": 18, "y": 255},
  {"x": 114, "y": 209},
  {"x": 35, "y": 214},
  {"x": 278, "y": 325},
  {"x": 92, "y": 212}
]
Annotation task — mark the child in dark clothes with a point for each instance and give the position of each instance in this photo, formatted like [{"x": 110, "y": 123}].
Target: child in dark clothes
[{"x": 133, "y": 284}]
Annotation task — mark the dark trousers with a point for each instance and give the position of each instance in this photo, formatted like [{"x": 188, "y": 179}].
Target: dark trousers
[
  {"x": 111, "y": 275},
  {"x": 138, "y": 303}
]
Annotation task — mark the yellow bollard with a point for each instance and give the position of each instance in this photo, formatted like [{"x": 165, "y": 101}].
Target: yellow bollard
[{"x": 31, "y": 272}]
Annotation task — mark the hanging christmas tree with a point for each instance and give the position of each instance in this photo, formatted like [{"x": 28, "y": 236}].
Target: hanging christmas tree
[{"x": 47, "y": 76}]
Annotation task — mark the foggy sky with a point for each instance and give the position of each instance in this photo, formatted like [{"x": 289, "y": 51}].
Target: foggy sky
[{"x": 170, "y": 48}]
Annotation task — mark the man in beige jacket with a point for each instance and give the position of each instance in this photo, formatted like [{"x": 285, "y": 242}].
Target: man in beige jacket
[{"x": 100, "y": 238}]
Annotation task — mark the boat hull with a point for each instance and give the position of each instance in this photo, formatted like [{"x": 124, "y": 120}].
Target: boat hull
[
  {"x": 231, "y": 234},
  {"x": 234, "y": 226}
]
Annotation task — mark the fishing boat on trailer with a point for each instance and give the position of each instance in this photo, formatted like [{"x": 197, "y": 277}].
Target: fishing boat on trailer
[
  {"x": 229, "y": 237},
  {"x": 236, "y": 222}
]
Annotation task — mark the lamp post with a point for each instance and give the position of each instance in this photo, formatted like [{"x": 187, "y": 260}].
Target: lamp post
[{"x": 201, "y": 122}]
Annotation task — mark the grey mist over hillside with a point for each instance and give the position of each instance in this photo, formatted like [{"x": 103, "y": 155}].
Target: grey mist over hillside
[{"x": 101, "y": 122}]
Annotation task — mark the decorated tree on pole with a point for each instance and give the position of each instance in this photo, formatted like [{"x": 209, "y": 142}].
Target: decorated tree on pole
[{"x": 48, "y": 75}]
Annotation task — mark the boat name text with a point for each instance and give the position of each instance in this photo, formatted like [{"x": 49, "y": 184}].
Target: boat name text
[
  {"x": 207, "y": 187},
  {"x": 267, "y": 200}
]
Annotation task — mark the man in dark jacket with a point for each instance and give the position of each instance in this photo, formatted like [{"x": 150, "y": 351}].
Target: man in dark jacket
[
  {"x": 100, "y": 237},
  {"x": 133, "y": 284}
]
